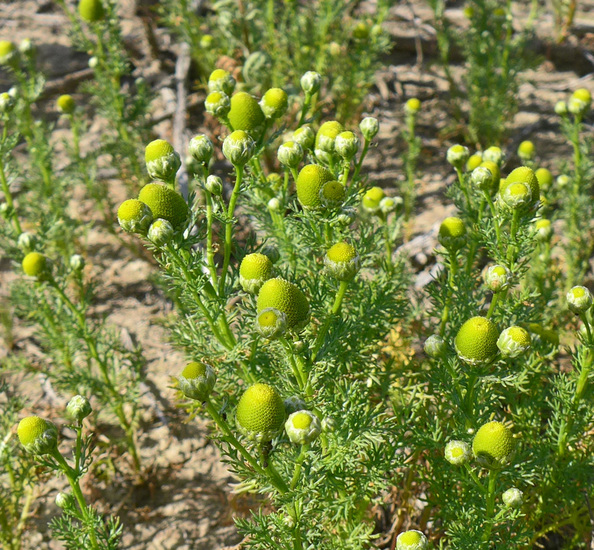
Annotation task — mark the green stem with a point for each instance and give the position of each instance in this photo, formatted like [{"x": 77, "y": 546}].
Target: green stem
[
  {"x": 493, "y": 305},
  {"x": 494, "y": 216},
  {"x": 490, "y": 504},
  {"x": 361, "y": 159},
  {"x": 511, "y": 252},
  {"x": 296, "y": 366},
  {"x": 388, "y": 244},
  {"x": 333, "y": 312},
  {"x": 9, "y": 200},
  {"x": 304, "y": 109},
  {"x": 464, "y": 187},
  {"x": 445, "y": 314},
  {"x": 299, "y": 466}
]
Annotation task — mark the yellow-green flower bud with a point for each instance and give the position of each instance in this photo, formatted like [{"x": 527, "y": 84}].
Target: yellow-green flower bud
[
  {"x": 294, "y": 404},
  {"x": 342, "y": 261},
  {"x": 361, "y": 31},
  {"x": 513, "y": 498},
  {"x": 246, "y": 114},
  {"x": 411, "y": 540},
  {"x": 26, "y": 242},
  {"x": 275, "y": 181},
  {"x": 524, "y": 175},
  {"x": 457, "y": 453},
  {"x": 493, "y": 167},
  {"x": 303, "y": 427},
  {"x": 287, "y": 298},
  {"x": 217, "y": 104},
  {"x": 274, "y": 205},
  {"x": 458, "y": 155},
  {"x": 65, "y": 104},
  {"x": 6, "y": 102},
  {"x": 134, "y": 216},
  {"x": 7, "y": 52},
  {"x": 206, "y": 41},
  {"x": 545, "y": 178},
  {"x": 514, "y": 341},
  {"x": 93, "y": 62},
  {"x": 544, "y": 230},
  {"x": 37, "y": 435},
  {"x": 310, "y": 182},
  {"x": 561, "y": 108},
  {"x": 260, "y": 413},
  {"x": 332, "y": 194},
  {"x": 65, "y": 501},
  {"x": 305, "y": 137},
  {"x": 290, "y": 154},
  {"x": 412, "y": 106},
  {"x": 77, "y": 263},
  {"x": 434, "y": 346},
  {"x": 516, "y": 195},
  {"x": 221, "y": 81},
  {"x": 254, "y": 271},
  {"x": 311, "y": 82},
  {"x": 563, "y": 181},
  {"x": 369, "y": 127},
  {"x": 91, "y": 11},
  {"x": 328, "y": 424},
  {"x": 214, "y": 185},
  {"x": 452, "y": 233},
  {"x": 162, "y": 161},
  {"x": 497, "y": 278},
  {"x": 476, "y": 341},
  {"x": 347, "y": 216},
  {"x": 346, "y": 145},
  {"x": 160, "y": 232},
  {"x": 26, "y": 47},
  {"x": 474, "y": 161},
  {"x": 579, "y": 299},
  {"x": 164, "y": 203},
  {"x": 197, "y": 380},
  {"x": 526, "y": 151},
  {"x": 271, "y": 323},
  {"x": 326, "y": 136},
  {"x": 36, "y": 265},
  {"x": 493, "y": 445},
  {"x": 390, "y": 204},
  {"x": 482, "y": 178},
  {"x": 201, "y": 149},
  {"x": 238, "y": 147},
  {"x": 494, "y": 154},
  {"x": 79, "y": 408},
  {"x": 576, "y": 106},
  {"x": 584, "y": 95},
  {"x": 274, "y": 103},
  {"x": 372, "y": 199}
]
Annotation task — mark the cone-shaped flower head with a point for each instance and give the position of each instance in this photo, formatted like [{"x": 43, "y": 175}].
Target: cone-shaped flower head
[
  {"x": 303, "y": 427},
  {"x": 164, "y": 203},
  {"x": 260, "y": 413},
  {"x": 37, "y": 435},
  {"x": 545, "y": 178},
  {"x": 411, "y": 540},
  {"x": 474, "y": 161},
  {"x": 346, "y": 145},
  {"x": 221, "y": 81},
  {"x": 287, "y": 298},
  {"x": 91, "y": 10},
  {"x": 493, "y": 445},
  {"x": 434, "y": 346},
  {"x": 523, "y": 175},
  {"x": 494, "y": 154},
  {"x": 514, "y": 341},
  {"x": 7, "y": 52},
  {"x": 290, "y": 154},
  {"x": 526, "y": 151},
  {"x": 497, "y": 278},
  {"x": 254, "y": 271},
  {"x": 311, "y": 82},
  {"x": 36, "y": 265},
  {"x": 579, "y": 299},
  {"x": 369, "y": 127},
  {"x": 245, "y": 113},
  {"x": 271, "y": 323},
  {"x": 305, "y": 137},
  {"x": 274, "y": 103},
  {"x": 162, "y": 161},
  {"x": 79, "y": 407},
  {"x": 476, "y": 341},
  {"x": 326, "y": 136},
  {"x": 65, "y": 104},
  {"x": 134, "y": 216},
  {"x": 513, "y": 498},
  {"x": 457, "y": 452},
  {"x": 342, "y": 261},
  {"x": 452, "y": 233},
  {"x": 197, "y": 380},
  {"x": 372, "y": 199},
  {"x": 332, "y": 194},
  {"x": 544, "y": 230},
  {"x": 217, "y": 104},
  {"x": 457, "y": 156},
  {"x": 238, "y": 147},
  {"x": 310, "y": 181},
  {"x": 201, "y": 149},
  {"x": 160, "y": 232}
]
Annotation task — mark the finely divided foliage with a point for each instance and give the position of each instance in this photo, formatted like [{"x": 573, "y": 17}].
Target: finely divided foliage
[{"x": 291, "y": 301}]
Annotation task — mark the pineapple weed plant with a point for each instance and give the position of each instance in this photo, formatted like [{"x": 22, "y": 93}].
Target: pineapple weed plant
[{"x": 485, "y": 439}]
